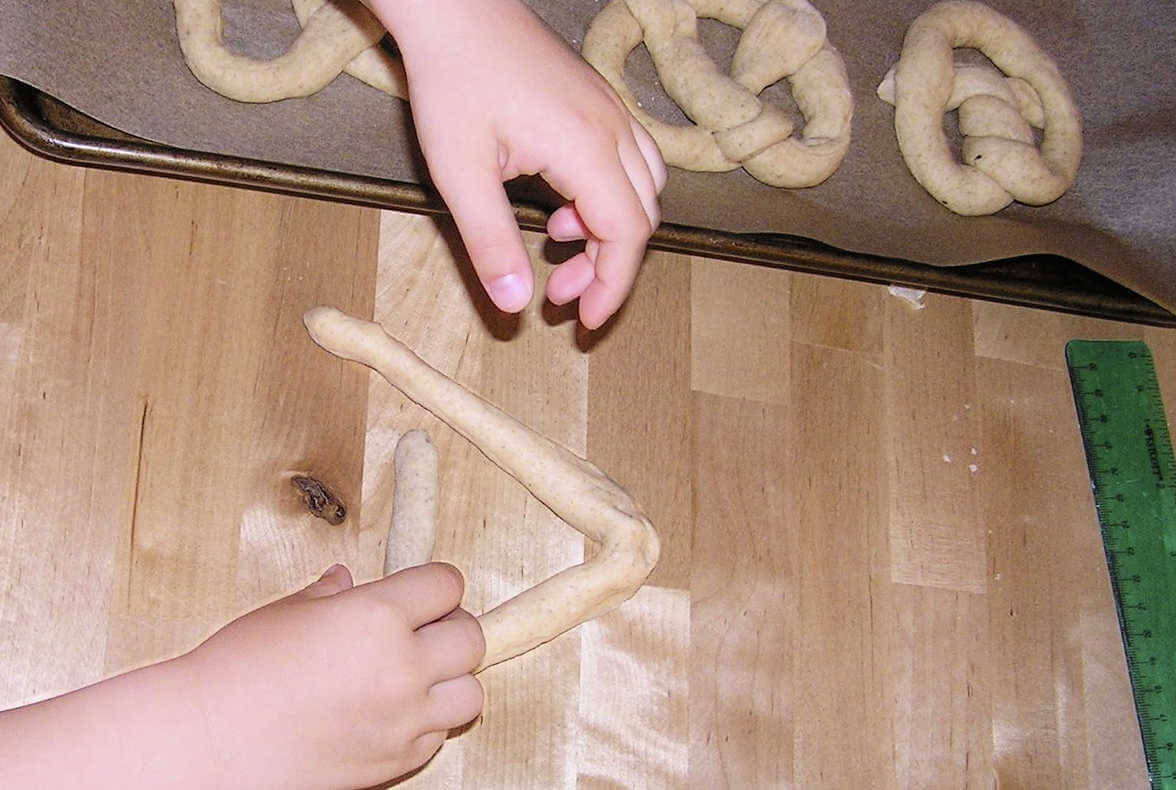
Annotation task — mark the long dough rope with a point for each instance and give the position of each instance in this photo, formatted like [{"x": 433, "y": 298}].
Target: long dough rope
[
  {"x": 1001, "y": 162},
  {"x": 337, "y": 35},
  {"x": 574, "y": 489},
  {"x": 782, "y": 39}
]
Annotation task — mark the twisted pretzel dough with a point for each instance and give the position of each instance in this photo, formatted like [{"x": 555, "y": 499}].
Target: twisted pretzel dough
[
  {"x": 971, "y": 79},
  {"x": 781, "y": 39},
  {"x": 1001, "y": 160},
  {"x": 337, "y": 36},
  {"x": 574, "y": 489}
]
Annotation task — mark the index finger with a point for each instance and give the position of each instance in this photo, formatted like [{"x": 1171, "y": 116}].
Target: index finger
[
  {"x": 423, "y": 593},
  {"x": 616, "y": 270}
]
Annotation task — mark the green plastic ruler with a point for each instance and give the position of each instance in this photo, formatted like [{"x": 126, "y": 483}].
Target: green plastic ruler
[{"x": 1133, "y": 471}]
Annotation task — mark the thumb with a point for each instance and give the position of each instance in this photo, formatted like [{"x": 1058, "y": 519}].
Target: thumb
[
  {"x": 335, "y": 579},
  {"x": 475, "y": 196}
]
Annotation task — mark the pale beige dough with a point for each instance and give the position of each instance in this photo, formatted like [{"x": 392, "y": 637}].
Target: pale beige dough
[
  {"x": 337, "y": 36},
  {"x": 574, "y": 489},
  {"x": 372, "y": 65},
  {"x": 973, "y": 79},
  {"x": 782, "y": 39},
  {"x": 1001, "y": 160},
  {"x": 413, "y": 531}
]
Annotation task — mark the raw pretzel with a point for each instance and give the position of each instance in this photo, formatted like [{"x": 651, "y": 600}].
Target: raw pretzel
[
  {"x": 1001, "y": 161},
  {"x": 372, "y": 65},
  {"x": 781, "y": 39},
  {"x": 574, "y": 489},
  {"x": 337, "y": 36}
]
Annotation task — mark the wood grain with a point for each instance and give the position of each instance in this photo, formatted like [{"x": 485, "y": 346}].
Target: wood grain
[
  {"x": 935, "y": 452},
  {"x": 1050, "y": 604},
  {"x": 744, "y": 594},
  {"x": 158, "y": 395},
  {"x": 881, "y": 566},
  {"x": 838, "y": 504},
  {"x": 739, "y": 325}
]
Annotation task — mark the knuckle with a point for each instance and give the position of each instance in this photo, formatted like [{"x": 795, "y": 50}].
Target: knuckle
[
  {"x": 629, "y": 226},
  {"x": 384, "y": 617},
  {"x": 636, "y": 228}
]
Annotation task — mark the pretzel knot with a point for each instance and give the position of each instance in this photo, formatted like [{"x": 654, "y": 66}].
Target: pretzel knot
[
  {"x": 1001, "y": 160},
  {"x": 781, "y": 39},
  {"x": 337, "y": 36}
]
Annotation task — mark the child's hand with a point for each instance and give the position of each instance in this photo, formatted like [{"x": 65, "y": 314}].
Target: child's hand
[
  {"x": 496, "y": 94},
  {"x": 339, "y": 686}
]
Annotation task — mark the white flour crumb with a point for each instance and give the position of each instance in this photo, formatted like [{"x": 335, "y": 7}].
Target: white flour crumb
[{"x": 912, "y": 296}]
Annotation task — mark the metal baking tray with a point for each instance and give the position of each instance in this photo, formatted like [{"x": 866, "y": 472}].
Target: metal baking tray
[{"x": 56, "y": 131}]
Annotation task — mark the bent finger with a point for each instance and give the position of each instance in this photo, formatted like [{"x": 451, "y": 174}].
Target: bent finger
[
  {"x": 455, "y": 702},
  {"x": 613, "y": 215},
  {"x": 571, "y": 278},
  {"x": 475, "y": 196},
  {"x": 425, "y": 746},
  {"x": 637, "y": 168},
  {"x": 565, "y": 224},
  {"x": 615, "y": 272},
  {"x": 651, "y": 153},
  {"x": 335, "y": 579},
  {"x": 452, "y": 646}
]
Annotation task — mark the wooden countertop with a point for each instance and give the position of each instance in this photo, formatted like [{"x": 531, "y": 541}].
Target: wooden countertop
[{"x": 881, "y": 566}]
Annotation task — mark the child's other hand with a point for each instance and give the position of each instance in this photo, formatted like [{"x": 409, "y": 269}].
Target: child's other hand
[
  {"x": 341, "y": 686},
  {"x": 496, "y": 94}
]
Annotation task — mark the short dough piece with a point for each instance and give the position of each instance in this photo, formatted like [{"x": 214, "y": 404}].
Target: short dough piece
[
  {"x": 572, "y": 487},
  {"x": 413, "y": 533},
  {"x": 1001, "y": 161},
  {"x": 781, "y": 39}
]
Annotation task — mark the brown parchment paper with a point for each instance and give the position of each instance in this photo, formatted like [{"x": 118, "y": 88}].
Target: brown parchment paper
[{"x": 120, "y": 63}]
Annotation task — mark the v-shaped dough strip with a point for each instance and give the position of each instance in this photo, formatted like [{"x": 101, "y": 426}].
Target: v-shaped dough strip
[{"x": 574, "y": 489}]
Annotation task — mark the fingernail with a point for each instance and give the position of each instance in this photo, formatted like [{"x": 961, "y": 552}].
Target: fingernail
[
  {"x": 331, "y": 571},
  {"x": 510, "y": 292}
]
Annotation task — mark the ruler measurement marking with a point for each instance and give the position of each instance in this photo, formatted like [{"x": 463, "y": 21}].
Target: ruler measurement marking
[{"x": 1133, "y": 474}]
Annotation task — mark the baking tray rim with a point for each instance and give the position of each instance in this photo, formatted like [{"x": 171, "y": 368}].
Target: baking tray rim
[{"x": 1038, "y": 281}]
